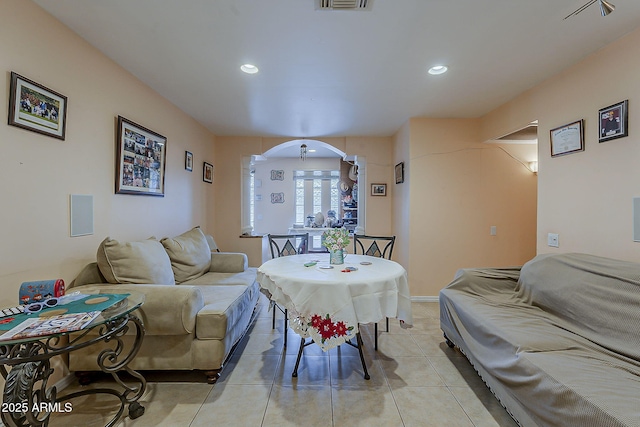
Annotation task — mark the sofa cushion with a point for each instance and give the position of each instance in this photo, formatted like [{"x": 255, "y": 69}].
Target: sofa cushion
[
  {"x": 245, "y": 278},
  {"x": 189, "y": 253},
  {"x": 134, "y": 262}
]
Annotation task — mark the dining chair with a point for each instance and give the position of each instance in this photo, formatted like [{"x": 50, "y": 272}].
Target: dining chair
[
  {"x": 377, "y": 246},
  {"x": 285, "y": 245}
]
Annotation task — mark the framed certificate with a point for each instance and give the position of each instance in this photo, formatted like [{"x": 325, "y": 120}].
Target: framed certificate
[{"x": 567, "y": 139}]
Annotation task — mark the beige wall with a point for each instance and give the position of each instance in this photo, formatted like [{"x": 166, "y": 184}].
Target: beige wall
[
  {"x": 585, "y": 197},
  {"x": 443, "y": 210},
  {"x": 458, "y": 188},
  {"x": 229, "y": 152},
  {"x": 402, "y": 194},
  {"x": 38, "y": 173}
]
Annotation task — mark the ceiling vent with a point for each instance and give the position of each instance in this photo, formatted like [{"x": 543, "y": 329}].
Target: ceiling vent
[{"x": 344, "y": 4}]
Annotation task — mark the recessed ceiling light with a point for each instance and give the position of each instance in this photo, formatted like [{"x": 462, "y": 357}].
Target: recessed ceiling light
[
  {"x": 438, "y": 69},
  {"x": 249, "y": 68}
]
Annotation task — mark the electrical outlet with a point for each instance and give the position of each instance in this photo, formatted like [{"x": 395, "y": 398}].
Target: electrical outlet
[
  {"x": 552, "y": 240},
  {"x": 494, "y": 230}
]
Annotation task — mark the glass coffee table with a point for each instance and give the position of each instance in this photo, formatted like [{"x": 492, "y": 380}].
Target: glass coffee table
[{"x": 28, "y": 399}]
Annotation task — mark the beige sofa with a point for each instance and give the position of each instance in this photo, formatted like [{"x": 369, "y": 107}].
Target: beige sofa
[
  {"x": 556, "y": 341},
  {"x": 198, "y": 302}
]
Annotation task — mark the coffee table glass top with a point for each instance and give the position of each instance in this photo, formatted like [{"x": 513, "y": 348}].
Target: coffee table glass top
[{"x": 121, "y": 308}]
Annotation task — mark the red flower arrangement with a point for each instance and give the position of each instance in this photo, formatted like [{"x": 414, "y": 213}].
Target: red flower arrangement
[{"x": 327, "y": 328}]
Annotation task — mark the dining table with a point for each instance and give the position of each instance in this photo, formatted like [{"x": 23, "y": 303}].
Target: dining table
[{"x": 328, "y": 303}]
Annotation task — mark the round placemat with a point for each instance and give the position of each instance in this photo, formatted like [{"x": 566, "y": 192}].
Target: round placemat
[{"x": 96, "y": 300}]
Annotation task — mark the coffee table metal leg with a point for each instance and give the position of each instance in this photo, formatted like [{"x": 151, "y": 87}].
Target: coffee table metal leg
[
  {"x": 115, "y": 361},
  {"x": 24, "y": 404}
]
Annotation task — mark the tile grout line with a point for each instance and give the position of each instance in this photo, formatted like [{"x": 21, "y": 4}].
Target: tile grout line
[{"x": 393, "y": 396}]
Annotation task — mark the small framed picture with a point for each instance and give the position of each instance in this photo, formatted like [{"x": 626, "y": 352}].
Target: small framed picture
[
  {"x": 277, "y": 175},
  {"x": 36, "y": 108},
  {"x": 277, "y": 198},
  {"x": 207, "y": 172},
  {"x": 567, "y": 139},
  {"x": 613, "y": 121},
  {"x": 378, "y": 189},
  {"x": 140, "y": 161},
  {"x": 400, "y": 173},
  {"x": 188, "y": 161}
]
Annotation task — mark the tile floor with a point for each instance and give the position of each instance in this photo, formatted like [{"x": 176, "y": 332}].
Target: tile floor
[{"x": 416, "y": 380}]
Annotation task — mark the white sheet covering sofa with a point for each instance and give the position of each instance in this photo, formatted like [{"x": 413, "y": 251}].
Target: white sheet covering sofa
[
  {"x": 198, "y": 302},
  {"x": 557, "y": 341}
]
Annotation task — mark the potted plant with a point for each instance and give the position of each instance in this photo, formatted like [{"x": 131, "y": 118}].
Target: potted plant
[{"x": 336, "y": 240}]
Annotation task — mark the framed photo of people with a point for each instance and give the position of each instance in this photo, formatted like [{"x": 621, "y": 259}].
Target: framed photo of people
[
  {"x": 613, "y": 121},
  {"x": 36, "y": 108},
  {"x": 140, "y": 160}
]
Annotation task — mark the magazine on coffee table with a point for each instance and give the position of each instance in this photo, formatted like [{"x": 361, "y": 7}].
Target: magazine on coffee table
[{"x": 40, "y": 326}]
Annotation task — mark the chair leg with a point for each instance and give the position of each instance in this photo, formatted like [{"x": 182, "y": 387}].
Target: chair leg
[
  {"x": 364, "y": 365},
  {"x": 375, "y": 336},
  {"x": 273, "y": 321},
  {"x": 387, "y": 324},
  {"x": 285, "y": 327}
]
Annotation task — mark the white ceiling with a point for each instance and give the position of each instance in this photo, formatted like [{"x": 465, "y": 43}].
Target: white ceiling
[{"x": 340, "y": 73}]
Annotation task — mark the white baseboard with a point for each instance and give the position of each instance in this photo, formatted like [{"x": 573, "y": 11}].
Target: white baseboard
[
  {"x": 65, "y": 382},
  {"x": 424, "y": 299}
]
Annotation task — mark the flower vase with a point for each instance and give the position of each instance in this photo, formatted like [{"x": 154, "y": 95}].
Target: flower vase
[{"x": 336, "y": 257}]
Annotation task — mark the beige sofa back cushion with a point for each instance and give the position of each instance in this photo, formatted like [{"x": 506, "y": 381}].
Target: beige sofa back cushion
[
  {"x": 134, "y": 262},
  {"x": 189, "y": 253}
]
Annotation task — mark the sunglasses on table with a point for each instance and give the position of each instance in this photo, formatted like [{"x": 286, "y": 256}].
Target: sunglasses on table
[{"x": 36, "y": 307}]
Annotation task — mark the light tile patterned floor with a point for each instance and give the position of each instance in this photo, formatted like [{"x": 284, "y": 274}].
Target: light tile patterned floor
[{"x": 416, "y": 380}]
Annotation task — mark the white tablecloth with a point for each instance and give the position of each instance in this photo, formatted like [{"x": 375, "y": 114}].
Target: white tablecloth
[{"x": 328, "y": 304}]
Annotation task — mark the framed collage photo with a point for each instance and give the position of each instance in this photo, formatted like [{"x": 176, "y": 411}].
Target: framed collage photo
[
  {"x": 37, "y": 108},
  {"x": 140, "y": 160},
  {"x": 613, "y": 121}
]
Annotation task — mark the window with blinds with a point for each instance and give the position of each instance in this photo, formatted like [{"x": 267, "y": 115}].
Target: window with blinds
[{"x": 315, "y": 191}]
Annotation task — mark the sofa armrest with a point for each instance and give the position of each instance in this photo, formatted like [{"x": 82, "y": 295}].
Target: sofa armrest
[
  {"x": 483, "y": 281},
  {"x": 167, "y": 309},
  {"x": 90, "y": 274},
  {"x": 228, "y": 262}
]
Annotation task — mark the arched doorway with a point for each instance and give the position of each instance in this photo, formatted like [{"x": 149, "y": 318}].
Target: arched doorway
[{"x": 279, "y": 187}]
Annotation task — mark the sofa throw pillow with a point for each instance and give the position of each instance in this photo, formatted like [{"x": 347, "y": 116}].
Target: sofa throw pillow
[
  {"x": 144, "y": 262},
  {"x": 189, "y": 253}
]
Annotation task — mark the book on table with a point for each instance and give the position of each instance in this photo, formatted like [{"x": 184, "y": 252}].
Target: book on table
[{"x": 40, "y": 326}]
